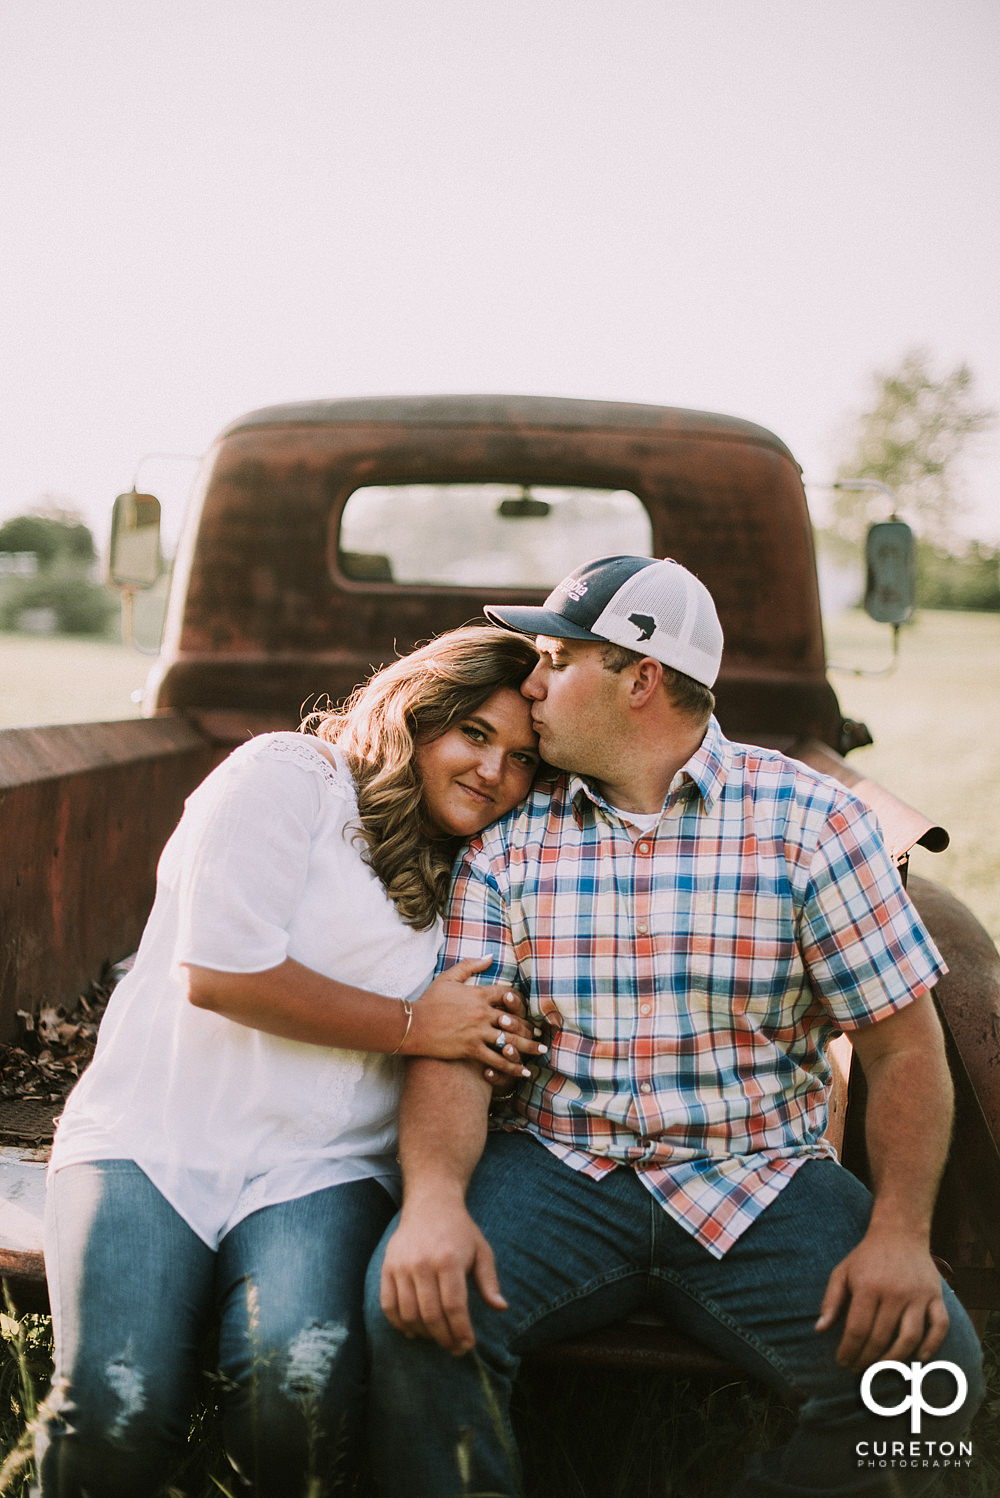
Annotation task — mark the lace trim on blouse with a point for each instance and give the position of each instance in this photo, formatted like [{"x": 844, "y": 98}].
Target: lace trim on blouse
[{"x": 297, "y": 748}]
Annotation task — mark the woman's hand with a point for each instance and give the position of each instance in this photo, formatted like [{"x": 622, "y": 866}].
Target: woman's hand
[
  {"x": 459, "y": 1020},
  {"x": 516, "y": 1021}
]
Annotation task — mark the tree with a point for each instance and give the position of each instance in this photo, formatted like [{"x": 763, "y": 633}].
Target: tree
[
  {"x": 64, "y": 586},
  {"x": 913, "y": 438},
  {"x": 970, "y": 581},
  {"x": 52, "y": 534}
]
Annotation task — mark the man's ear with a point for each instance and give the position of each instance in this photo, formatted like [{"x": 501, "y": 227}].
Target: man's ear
[{"x": 647, "y": 675}]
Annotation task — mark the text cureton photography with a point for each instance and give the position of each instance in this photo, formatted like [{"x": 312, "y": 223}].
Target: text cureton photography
[{"x": 912, "y": 1453}]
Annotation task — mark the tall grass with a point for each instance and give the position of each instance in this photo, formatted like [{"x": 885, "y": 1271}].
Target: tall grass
[
  {"x": 25, "y": 1370},
  {"x": 604, "y": 1435},
  {"x": 583, "y": 1434}
]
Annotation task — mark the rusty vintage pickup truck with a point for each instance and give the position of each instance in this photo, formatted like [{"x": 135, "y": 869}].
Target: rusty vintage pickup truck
[{"x": 323, "y": 538}]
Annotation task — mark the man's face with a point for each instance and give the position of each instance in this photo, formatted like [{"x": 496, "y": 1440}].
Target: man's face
[{"x": 576, "y": 706}]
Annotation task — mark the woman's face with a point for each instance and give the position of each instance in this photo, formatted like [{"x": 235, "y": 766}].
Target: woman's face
[{"x": 481, "y": 768}]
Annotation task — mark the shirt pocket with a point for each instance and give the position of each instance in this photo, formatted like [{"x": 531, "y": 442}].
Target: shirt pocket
[{"x": 744, "y": 957}]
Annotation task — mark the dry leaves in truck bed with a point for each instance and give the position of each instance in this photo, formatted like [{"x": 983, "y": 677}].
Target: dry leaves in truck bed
[{"x": 55, "y": 1045}]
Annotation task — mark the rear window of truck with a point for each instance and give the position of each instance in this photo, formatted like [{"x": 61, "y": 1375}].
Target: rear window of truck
[{"x": 485, "y": 534}]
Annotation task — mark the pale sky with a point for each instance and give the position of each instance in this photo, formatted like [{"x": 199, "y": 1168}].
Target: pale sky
[{"x": 207, "y": 206}]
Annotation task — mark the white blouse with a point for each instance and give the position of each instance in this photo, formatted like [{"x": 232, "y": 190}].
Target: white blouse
[{"x": 225, "y": 1119}]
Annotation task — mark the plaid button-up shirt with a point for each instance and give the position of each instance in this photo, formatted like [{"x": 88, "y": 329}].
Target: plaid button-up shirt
[{"x": 688, "y": 979}]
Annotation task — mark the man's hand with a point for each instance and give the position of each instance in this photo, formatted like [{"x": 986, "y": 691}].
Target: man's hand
[
  {"x": 889, "y": 1290},
  {"x": 442, "y": 1131},
  {"x": 425, "y": 1275}
]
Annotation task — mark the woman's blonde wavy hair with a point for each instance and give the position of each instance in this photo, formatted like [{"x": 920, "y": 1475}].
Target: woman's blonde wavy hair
[{"x": 410, "y": 702}]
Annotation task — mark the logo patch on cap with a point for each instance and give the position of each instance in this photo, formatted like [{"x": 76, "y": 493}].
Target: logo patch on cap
[{"x": 644, "y": 623}]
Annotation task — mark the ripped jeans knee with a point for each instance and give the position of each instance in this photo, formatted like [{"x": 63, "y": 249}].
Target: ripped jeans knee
[
  {"x": 292, "y": 1406},
  {"x": 110, "y": 1431},
  {"x": 292, "y": 1351}
]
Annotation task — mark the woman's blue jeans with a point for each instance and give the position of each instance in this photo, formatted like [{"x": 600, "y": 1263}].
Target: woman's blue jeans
[
  {"x": 574, "y": 1254},
  {"x": 137, "y": 1298}
]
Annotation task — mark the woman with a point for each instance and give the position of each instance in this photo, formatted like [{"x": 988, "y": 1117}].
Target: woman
[{"x": 230, "y": 1153}]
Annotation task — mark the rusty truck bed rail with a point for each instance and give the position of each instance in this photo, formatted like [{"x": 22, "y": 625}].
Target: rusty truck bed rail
[{"x": 84, "y": 810}]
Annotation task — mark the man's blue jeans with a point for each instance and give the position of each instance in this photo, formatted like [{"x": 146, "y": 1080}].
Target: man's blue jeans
[
  {"x": 134, "y": 1291},
  {"x": 574, "y": 1254}
]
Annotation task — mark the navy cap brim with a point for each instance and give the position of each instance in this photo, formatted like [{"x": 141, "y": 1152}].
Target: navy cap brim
[{"x": 540, "y": 621}]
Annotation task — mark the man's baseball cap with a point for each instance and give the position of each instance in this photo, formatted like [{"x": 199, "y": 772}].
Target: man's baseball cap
[{"x": 658, "y": 608}]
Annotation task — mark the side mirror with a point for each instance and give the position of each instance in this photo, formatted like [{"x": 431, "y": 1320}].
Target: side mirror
[
  {"x": 134, "y": 553},
  {"x": 890, "y": 585}
]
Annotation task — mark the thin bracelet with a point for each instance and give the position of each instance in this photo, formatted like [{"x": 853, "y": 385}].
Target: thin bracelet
[{"x": 409, "y": 1021}]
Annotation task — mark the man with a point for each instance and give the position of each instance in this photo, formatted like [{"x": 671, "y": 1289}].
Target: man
[{"x": 689, "y": 921}]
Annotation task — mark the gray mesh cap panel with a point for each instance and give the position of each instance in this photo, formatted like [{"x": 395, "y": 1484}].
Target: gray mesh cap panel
[{"x": 664, "y": 611}]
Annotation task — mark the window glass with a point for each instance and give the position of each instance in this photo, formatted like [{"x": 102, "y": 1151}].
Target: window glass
[{"x": 485, "y": 534}]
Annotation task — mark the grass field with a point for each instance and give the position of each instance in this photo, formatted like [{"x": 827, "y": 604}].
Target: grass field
[
  {"x": 67, "y": 680},
  {"x": 936, "y": 725}
]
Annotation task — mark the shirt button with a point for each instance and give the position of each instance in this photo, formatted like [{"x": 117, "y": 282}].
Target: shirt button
[
  {"x": 642, "y": 928},
  {"x": 645, "y": 1086},
  {"x": 643, "y": 847},
  {"x": 645, "y": 1008}
]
